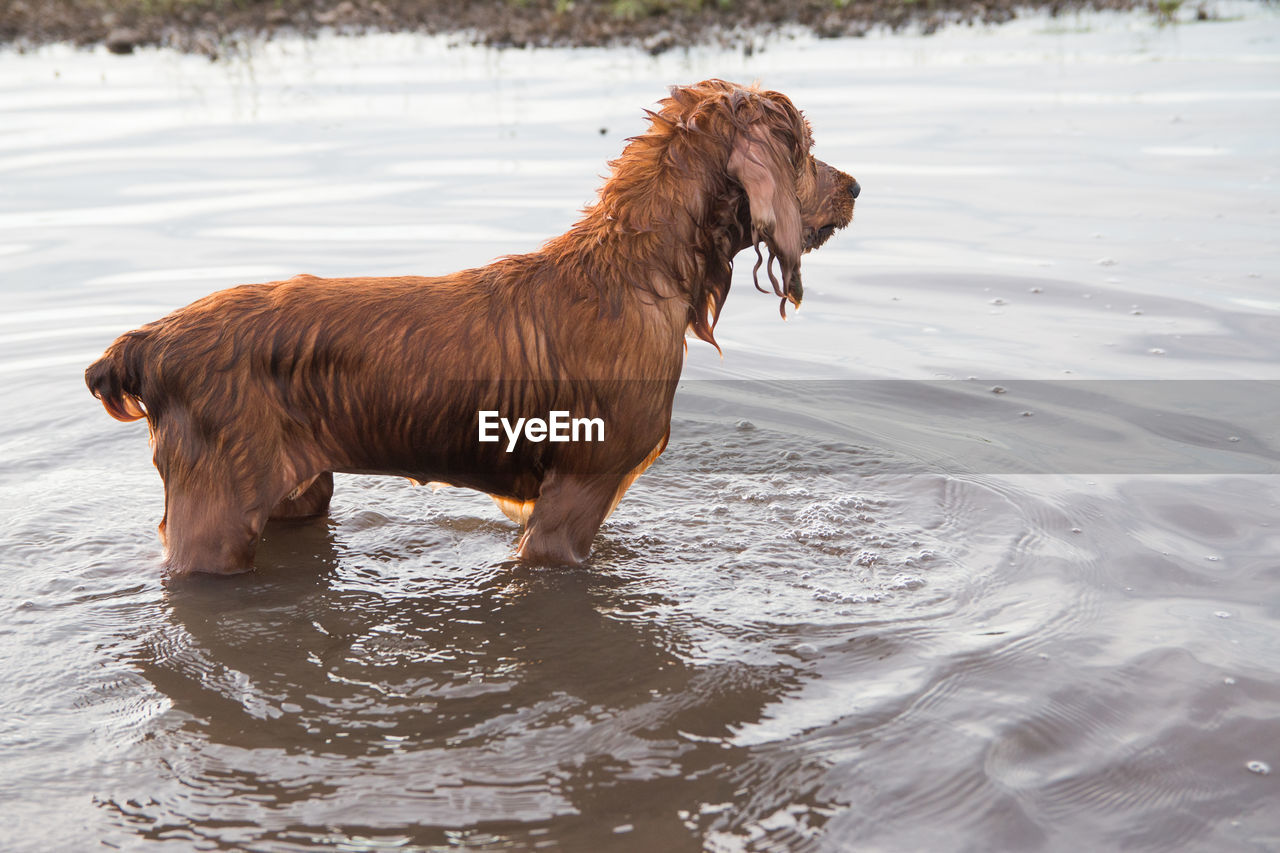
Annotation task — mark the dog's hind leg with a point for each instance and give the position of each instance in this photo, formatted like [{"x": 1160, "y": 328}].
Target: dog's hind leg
[
  {"x": 214, "y": 509},
  {"x": 208, "y": 528},
  {"x": 309, "y": 499},
  {"x": 569, "y": 510}
]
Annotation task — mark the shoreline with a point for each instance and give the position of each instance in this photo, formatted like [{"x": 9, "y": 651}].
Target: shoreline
[{"x": 213, "y": 28}]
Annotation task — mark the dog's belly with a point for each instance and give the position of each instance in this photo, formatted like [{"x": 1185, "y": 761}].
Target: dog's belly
[
  {"x": 518, "y": 486},
  {"x": 441, "y": 437}
]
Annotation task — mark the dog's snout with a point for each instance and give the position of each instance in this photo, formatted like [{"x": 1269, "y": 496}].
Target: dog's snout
[{"x": 854, "y": 189}]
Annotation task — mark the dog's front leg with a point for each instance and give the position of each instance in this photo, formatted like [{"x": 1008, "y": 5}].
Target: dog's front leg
[{"x": 569, "y": 510}]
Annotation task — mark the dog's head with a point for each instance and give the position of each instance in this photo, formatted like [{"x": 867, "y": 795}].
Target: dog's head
[
  {"x": 723, "y": 167},
  {"x": 794, "y": 202}
]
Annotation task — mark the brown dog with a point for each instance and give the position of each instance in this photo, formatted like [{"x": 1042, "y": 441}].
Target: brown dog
[{"x": 256, "y": 394}]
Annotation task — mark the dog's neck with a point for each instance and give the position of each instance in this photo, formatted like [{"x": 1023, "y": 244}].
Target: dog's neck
[{"x": 664, "y": 234}]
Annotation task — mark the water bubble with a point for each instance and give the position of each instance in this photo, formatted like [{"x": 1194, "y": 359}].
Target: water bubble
[
  {"x": 745, "y": 426},
  {"x": 1156, "y": 351},
  {"x": 1233, "y": 438},
  {"x": 998, "y": 389},
  {"x": 805, "y": 651},
  {"x": 902, "y": 580},
  {"x": 998, "y": 301},
  {"x": 1259, "y": 767},
  {"x": 1036, "y": 290},
  {"x": 1027, "y": 414},
  {"x": 1106, "y": 262},
  {"x": 1228, "y": 681},
  {"x": 1212, "y": 559},
  {"x": 1222, "y": 614},
  {"x": 1075, "y": 530}
]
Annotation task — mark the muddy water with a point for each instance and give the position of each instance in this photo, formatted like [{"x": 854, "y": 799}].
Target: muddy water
[{"x": 979, "y": 551}]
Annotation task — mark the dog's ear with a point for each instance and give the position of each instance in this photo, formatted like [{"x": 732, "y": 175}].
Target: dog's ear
[{"x": 762, "y": 160}]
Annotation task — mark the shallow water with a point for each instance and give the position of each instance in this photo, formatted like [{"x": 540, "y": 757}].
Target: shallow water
[{"x": 978, "y": 551}]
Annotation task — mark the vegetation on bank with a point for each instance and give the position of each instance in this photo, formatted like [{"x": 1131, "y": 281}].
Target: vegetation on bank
[{"x": 213, "y": 27}]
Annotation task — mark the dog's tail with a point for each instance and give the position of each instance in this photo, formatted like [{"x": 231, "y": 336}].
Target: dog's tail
[{"x": 116, "y": 378}]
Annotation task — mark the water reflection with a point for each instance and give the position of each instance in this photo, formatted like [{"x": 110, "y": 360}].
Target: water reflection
[{"x": 309, "y": 705}]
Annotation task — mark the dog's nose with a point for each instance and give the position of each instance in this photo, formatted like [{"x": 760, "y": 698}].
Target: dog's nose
[{"x": 854, "y": 189}]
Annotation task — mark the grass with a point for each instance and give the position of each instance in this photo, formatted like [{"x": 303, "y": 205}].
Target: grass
[{"x": 1167, "y": 10}]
